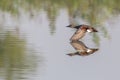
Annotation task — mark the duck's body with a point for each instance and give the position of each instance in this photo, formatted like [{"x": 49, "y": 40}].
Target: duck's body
[{"x": 82, "y": 49}]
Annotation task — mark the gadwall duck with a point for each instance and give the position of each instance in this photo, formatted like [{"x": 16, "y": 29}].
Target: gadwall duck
[{"x": 81, "y": 32}]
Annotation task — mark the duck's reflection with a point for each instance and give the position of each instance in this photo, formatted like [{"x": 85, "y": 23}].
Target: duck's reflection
[{"x": 81, "y": 49}]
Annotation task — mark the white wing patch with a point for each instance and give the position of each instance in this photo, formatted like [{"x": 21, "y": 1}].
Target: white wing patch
[
  {"x": 89, "y": 30},
  {"x": 89, "y": 50}
]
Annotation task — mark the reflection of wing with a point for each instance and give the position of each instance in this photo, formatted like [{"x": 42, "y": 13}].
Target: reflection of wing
[
  {"x": 78, "y": 45},
  {"x": 78, "y": 34}
]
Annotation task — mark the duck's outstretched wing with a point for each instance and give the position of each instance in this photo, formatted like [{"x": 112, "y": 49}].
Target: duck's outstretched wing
[{"x": 78, "y": 34}]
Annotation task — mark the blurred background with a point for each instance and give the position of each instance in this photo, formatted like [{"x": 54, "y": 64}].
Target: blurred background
[{"x": 34, "y": 39}]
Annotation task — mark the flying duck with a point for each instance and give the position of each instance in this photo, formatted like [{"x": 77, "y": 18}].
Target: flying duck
[{"x": 80, "y": 32}]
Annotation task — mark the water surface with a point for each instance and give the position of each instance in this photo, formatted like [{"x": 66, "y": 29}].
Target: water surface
[{"x": 34, "y": 41}]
